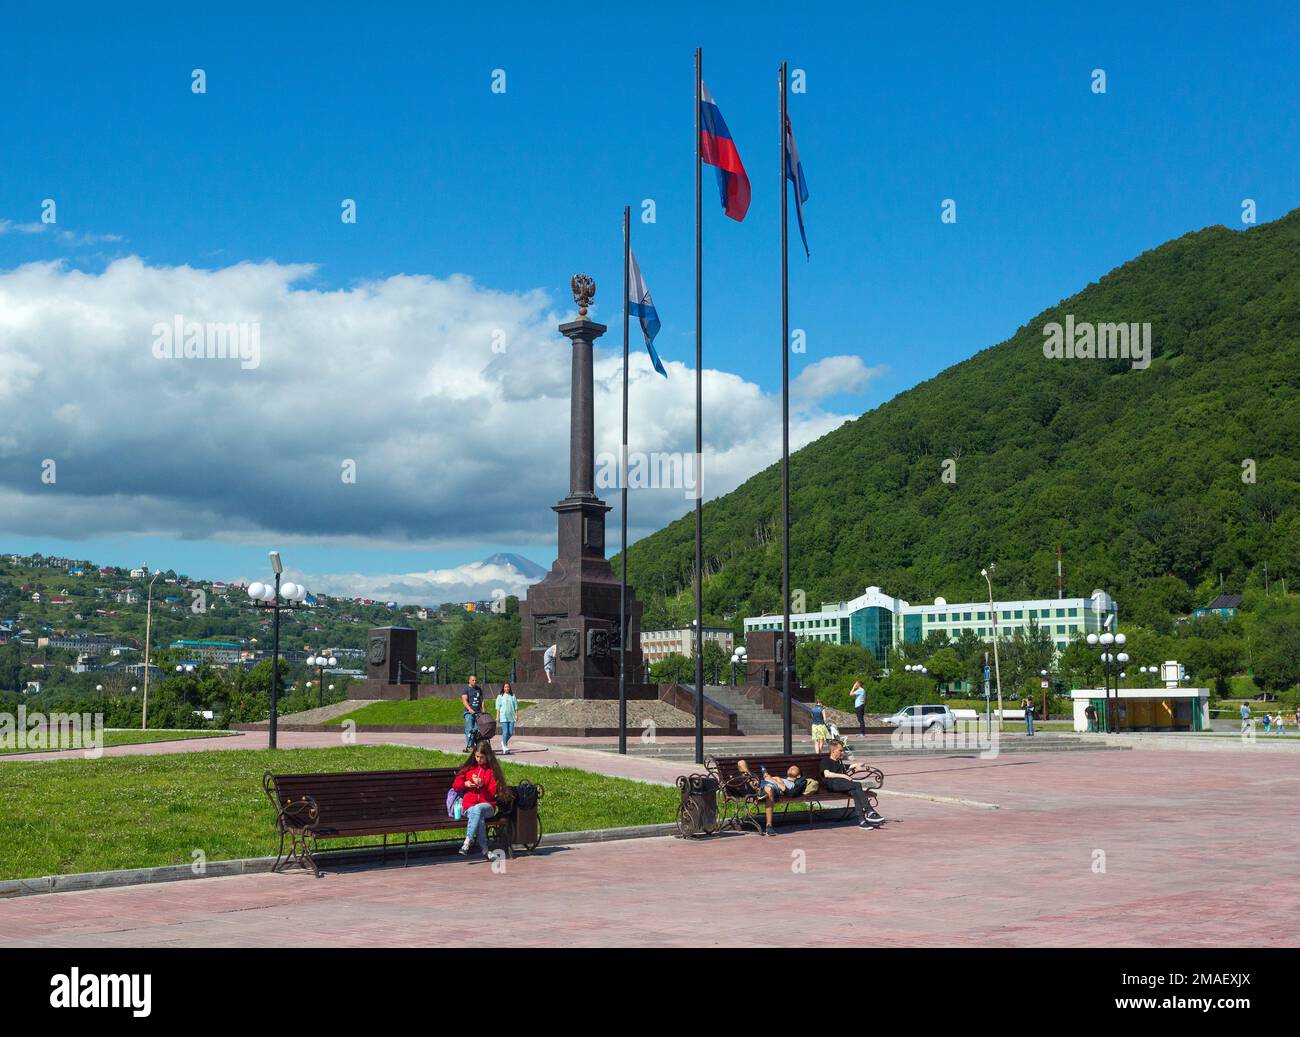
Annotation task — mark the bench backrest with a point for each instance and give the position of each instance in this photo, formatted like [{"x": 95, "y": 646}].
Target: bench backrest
[
  {"x": 809, "y": 764},
  {"x": 347, "y": 797}
]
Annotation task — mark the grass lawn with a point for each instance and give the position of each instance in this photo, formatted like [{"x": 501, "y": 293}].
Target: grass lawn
[
  {"x": 419, "y": 711},
  {"x": 119, "y": 736},
  {"x": 63, "y": 816}
]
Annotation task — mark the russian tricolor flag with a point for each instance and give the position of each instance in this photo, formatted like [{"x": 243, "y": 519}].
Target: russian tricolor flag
[{"x": 719, "y": 150}]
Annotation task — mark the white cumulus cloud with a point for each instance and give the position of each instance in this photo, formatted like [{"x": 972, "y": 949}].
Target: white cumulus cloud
[
  {"x": 830, "y": 376},
  {"x": 448, "y": 398}
]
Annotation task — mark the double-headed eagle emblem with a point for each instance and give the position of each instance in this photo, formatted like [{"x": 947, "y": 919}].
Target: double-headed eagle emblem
[{"x": 584, "y": 290}]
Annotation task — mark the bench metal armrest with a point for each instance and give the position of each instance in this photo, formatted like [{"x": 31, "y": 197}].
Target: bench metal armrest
[{"x": 298, "y": 814}]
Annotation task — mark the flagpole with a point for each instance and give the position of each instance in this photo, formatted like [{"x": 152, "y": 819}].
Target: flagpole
[
  {"x": 622, "y": 467},
  {"x": 785, "y": 440},
  {"x": 699, "y": 442}
]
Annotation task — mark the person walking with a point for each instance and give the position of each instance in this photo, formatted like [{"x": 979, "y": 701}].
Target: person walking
[
  {"x": 472, "y": 700},
  {"x": 548, "y": 664},
  {"x": 1245, "y": 717},
  {"x": 820, "y": 732},
  {"x": 859, "y": 694},
  {"x": 507, "y": 710},
  {"x": 480, "y": 784},
  {"x": 1090, "y": 714}
]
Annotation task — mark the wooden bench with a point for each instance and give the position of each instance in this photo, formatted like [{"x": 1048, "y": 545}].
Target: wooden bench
[
  {"x": 739, "y": 804},
  {"x": 352, "y": 804}
]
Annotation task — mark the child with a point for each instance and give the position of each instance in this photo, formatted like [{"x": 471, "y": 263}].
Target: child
[{"x": 820, "y": 732}]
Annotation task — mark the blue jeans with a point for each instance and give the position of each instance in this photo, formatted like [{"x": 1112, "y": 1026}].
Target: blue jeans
[
  {"x": 1029, "y": 723},
  {"x": 469, "y": 728},
  {"x": 475, "y": 829},
  {"x": 507, "y": 730}
]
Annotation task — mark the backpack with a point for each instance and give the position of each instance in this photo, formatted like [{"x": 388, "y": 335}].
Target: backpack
[
  {"x": 453, "y": 805},
  {"x": 525, "y": 796}
]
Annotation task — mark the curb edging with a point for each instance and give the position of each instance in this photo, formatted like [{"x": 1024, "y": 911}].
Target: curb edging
[{"x": 92, "y": 880}]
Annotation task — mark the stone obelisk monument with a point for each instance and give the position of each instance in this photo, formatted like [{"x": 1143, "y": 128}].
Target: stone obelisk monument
[{"x": 575, "y": 606}]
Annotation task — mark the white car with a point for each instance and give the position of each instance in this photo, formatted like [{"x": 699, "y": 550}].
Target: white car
[{"x": 927, "y": 718}]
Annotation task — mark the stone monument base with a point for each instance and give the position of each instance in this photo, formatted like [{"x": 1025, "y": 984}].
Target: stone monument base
[{"x": 373, "y": 688}]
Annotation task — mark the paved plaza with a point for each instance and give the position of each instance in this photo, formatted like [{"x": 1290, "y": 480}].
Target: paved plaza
[{"x": 1084, "y": 848}]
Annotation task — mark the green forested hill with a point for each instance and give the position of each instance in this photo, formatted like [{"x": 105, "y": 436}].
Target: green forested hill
[{"x": 1138, "y": 473}]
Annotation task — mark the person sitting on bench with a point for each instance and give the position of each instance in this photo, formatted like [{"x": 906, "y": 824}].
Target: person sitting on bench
[
  {"x": 481, "y": 785},
  {"x": 836, "y": 777},
  {"x": 770, "y": 787}
]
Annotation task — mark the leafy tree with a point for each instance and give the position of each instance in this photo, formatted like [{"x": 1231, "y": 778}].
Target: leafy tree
[
  {"x": 673, "y": 669},
  {"x": 835, "y": 668},
  {"x": 946, "y": 665},
  {"x": 1277, "y": 652}
]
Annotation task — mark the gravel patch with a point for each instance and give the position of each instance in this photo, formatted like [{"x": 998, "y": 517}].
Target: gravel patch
[
  {"x": 320, "y": 714},
  {"x": 601, "y": 713}
]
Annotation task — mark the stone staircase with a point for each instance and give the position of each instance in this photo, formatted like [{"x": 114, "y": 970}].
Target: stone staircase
[{"x": 751, "y": 718}]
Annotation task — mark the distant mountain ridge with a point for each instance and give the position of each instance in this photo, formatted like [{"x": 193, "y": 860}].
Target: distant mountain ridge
[
  {"x": 1158, "y": 482},
  {"x": 524, "y": 566}
]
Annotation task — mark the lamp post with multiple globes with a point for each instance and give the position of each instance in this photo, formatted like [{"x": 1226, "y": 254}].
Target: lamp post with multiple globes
[
  {"x": 278, "y": 598},
  {"x": 320, "y": 662},
  {"x": 1109, "y": 659}
]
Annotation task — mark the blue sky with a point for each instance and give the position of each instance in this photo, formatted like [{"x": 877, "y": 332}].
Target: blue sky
[{"x": 391, "y": 106}]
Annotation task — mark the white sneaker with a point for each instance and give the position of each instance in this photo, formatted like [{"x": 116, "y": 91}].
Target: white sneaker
[{"x": 464, "y": 848}]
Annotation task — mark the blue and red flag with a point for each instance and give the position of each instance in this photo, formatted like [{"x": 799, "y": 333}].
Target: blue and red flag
[
  {"x": 717, "y": 149},
  {"x": 794, "y": 173}
]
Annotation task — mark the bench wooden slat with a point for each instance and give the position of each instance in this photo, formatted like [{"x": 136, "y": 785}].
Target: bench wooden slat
[{"x": 361, "y": 803}]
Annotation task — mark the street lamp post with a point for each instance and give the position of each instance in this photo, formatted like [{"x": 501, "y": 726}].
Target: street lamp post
[
  {"x": 738, "y": 658},
  {"x": 148, "y": 620},
  {"x": 320, "y": 662},
  {"x": 1107, "y": 641},
  {"x": 919, "y": 670},
  {"x": 993, "y": 612},
  {"x": 278, "y": 598}
]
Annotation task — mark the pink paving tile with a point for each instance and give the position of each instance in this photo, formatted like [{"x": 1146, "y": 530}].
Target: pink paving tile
[{"x": 1172, "y": 827}]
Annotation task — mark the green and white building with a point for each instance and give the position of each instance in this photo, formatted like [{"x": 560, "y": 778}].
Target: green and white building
[{"x": 878, "y": 622}]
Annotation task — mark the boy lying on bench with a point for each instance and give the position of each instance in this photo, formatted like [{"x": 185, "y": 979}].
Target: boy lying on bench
[{"x": 769, "y": 787}]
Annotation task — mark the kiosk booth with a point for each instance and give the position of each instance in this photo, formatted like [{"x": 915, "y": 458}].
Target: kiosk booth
[{"x": 1170, "y": 708}]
